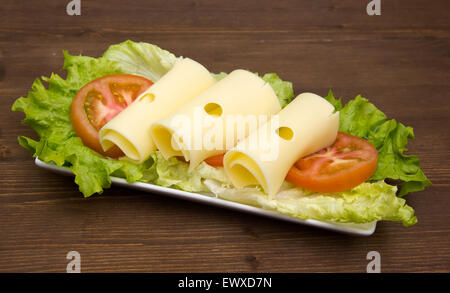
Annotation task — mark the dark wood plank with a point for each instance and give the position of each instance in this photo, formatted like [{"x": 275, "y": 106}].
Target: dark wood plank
[{"x": 399, "y": 60}]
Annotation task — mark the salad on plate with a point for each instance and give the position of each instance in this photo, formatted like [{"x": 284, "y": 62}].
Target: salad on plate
[{"x": 140, "y": 113}]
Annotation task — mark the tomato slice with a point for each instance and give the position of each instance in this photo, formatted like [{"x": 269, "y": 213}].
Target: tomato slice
[
  {"x": 216, "y": 161},
  {"x": 101, "y": 100},
  {"x": 347, "y": 163}
]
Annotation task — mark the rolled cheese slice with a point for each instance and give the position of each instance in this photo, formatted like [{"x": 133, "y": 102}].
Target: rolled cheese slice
[
  {"x": 130, "y": 129},
  {"x": 217, "y": 119},
  {"x": 304, "y": 126}
]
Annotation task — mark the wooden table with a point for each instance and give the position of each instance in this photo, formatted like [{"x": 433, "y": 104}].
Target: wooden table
[{"x": 400, "y": 60}]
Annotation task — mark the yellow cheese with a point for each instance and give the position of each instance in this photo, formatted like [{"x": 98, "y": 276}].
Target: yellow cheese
[
  {"x": 305, "y": 126},
  {"x": 217, "y": 119},
  {"x": 130, "y": 129}
]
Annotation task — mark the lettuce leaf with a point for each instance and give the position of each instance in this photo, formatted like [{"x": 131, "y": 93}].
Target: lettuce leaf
[
  {"x": 283, "y": 89},
  {"x": 361, "y": 118},
  {"x": 142, "y": 59},
  {"x": 365, "y": 203},
  {"x": 174, "y": 173},
  {"x": 47, "y": 111},
  {"x": 219, "y": 76}
]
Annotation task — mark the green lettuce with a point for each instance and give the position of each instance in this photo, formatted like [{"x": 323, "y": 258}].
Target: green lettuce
[
  {"x": 361, "y": 118},
  {"x": 47, "y": 111},
  {"x": 365, "y": 203},
  {"x": 283, "y": 89},
  {"x": 174, "y": 173},
  {"x": 142, "y": 59},
  {"x": 219, "y": 76}
]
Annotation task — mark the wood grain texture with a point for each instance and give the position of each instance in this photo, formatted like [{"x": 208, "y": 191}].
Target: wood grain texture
[{"x": 400, "y": 60}]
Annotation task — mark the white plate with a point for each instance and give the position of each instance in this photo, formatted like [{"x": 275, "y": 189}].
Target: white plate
[{"x": 348, "y": 228}]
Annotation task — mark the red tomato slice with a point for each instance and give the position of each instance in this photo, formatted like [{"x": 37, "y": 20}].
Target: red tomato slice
[
  {"x": 216, "y": 161},
  {"x": 347, "y": 163},
  {"x": 101, "y": 100}
]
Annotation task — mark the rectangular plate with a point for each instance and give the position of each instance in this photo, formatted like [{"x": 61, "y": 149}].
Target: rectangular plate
[{"x": 347, "y": 228}]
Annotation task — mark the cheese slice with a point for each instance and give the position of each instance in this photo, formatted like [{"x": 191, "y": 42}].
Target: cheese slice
[
  {"x": 217, "y": 119},
  {"x": 130, "y": 129},
  {"x": 303, "y": 127}
]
